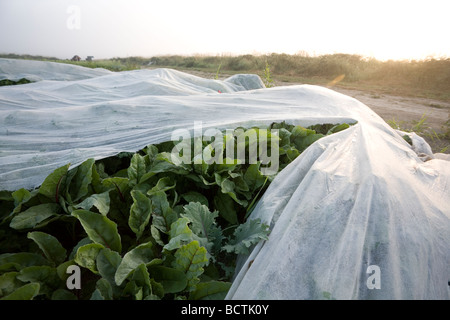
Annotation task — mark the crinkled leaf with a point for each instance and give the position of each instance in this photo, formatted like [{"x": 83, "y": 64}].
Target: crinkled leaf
[
  {"x": 99, "y": 229},
  {"x": 80, "y": 243},
  {"x": 99, "y": 200},
  {"x": 139, "y": 213},
  {"x": 202, "y": 223},
  {"x": 87, "y": 256},
  {"x": 202, "y": 220},
  {"x": 50, "y": 246},
  {"x": 34, "y": 215},
  {"x": 212, "y": 290},
  {"x": 190, "y": 259},
  {"x": 246, "y": 235}
]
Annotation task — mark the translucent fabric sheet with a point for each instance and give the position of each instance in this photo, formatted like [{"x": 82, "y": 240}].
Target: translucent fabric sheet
[{"x": 358, "y": 215}]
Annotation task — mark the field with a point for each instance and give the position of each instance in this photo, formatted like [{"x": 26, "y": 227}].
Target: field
[
  {"x": 147, "y": 225},
  {"x": 409, "y": 95}
]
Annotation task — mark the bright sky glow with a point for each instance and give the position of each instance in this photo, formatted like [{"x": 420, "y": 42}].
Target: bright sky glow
[{"x": 392, "y": 29}]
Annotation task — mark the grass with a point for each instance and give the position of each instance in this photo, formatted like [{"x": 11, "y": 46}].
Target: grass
[
  {"x": 439, "y": 142},
  {"x": 425, "y": 78}
]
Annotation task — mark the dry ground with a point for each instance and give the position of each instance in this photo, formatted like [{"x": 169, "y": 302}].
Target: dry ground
[{"x": 407, "y": 111}]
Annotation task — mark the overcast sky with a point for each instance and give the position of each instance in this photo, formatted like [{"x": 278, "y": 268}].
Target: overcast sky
[{"x": 392, "y": 29}]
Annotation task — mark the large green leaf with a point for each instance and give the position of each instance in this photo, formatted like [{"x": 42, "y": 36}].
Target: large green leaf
[
  {"x": 141, "y": 254},
  {"x": 212, "y": 290},
  {"x": 46, "y": 276},
  {"x": 99, "y": 229},
  {"x": 137, "y": 169},
  {"x": 20, "y": 196},
  {"x": 107, "y": 263},
  {"x": 163, "y": 214},
  {"x": 164, "y": 184},
  {"x": 34, "y": 215},
  {"x": 80, "y": 182},
  {"x": 52, "y": 184},
  {"x": 140, "y": 213},
  {"x": 191, "y": 258},
  {"x": 87, "y": 256},
  {"x": 20, "y": 260},
  {"x": 120, "y": 184},
  {"x": 172, "y": 280},
  {"x": 103, "y": 290},
  {"x": 226, "y": 207},
  {"x": 26, "y": 292},
  {"x": 63, "y": 294},
  {"x": 50, "y": 246},
  {"x": 9, "y": 283},
  {"x": 180, "y": 234},
  {"x": 193, "y": 196},
  {"x": 99, "y": 200},
  {"x": 253, "y": 177}
]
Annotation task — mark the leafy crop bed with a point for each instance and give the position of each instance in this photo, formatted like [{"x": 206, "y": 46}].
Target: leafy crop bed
[
  {"x": 137, "y": 225},
  {"x": 7, "y": 82}
]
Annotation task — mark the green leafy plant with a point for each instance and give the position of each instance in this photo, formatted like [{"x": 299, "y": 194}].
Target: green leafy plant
[
  {"x": 268, "y": 81},
  {"x": 7, "y": 82},
  {"x": 217, "y": 73},
  {"x": 138, "y": 226}
]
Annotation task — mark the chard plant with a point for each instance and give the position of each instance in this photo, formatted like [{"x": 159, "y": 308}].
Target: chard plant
[{"x": 137, "y": 226}]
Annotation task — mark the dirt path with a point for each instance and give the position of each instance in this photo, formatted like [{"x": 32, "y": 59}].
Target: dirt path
[
  {"x": 408, "y": 111},
  {"x": 405, "y": 111}
]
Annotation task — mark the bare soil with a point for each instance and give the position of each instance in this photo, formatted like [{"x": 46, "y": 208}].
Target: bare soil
[{"x": 408, "y": 111}]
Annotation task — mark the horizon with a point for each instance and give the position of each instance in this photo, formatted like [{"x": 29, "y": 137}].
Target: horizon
[{"x": 383, "y": 30}]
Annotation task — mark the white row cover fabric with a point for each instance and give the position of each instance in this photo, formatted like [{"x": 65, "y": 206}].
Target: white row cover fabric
[
  {"x": 358, "y": 215},
  {"x": 14, "y": 69}
]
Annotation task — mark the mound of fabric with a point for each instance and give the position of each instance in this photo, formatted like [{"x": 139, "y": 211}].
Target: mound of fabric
[{"x": 358, "y": 215}]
